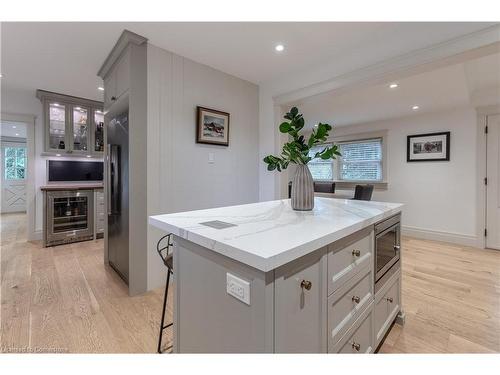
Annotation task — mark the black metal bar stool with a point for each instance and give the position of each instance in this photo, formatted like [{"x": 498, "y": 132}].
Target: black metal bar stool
[{"x": 166, "y": 256}]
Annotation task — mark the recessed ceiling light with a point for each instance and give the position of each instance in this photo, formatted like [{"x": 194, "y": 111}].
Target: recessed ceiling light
[
  {"x": 415, "y": 107},
  {"x": 1, "y": 75},
  {"x": 100, "y": 88},
  {"x": 88, "y": 156},
  {"x": 14, "y": 126},
  {"x": 78, "y": 108},
  {"x": 279, "y": 47},
  {"x": 58, "y": 154},
  {"x": 17, "y": 134},
  {"x": 393, "y": 85}
]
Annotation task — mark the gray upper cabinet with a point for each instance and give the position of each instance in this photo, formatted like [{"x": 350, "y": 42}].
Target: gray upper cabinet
[
  {"x": 73, "y": 126},
  {"x": 117, "y": 82}
]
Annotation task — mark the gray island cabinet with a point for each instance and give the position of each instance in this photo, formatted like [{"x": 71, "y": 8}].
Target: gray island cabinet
[{"x": 264, "y": 278}]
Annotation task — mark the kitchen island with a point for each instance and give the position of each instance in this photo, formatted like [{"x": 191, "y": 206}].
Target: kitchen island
[{"x": 262, "y": 277}]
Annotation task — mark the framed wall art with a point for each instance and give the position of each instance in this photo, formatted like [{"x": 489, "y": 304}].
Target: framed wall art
[
  {"x": 212, "y": 127},
  {"x": 428, "y": 147}
]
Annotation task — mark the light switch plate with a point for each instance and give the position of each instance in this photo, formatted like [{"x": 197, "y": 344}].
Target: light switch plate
[
  {"x": 238, "y": 288},
  {"x": 211, "y": 157}
]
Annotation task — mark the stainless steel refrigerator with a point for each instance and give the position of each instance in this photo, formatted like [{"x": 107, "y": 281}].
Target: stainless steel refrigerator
[{"x": 118, "y": 194}]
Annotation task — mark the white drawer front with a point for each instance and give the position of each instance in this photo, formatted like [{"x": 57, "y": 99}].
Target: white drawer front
[
  {"x": 387, "y": 306},
  {"x": 349, "y": 256},
  {"x": 348, "y": 302},
  {"x": 359, "y": 339}
]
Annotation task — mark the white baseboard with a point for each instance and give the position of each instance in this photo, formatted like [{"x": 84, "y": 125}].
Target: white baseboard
[{"x": 435, "y": 235}]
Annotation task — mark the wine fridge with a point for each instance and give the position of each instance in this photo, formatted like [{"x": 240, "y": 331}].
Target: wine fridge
[{"x": 69, "y": 216}]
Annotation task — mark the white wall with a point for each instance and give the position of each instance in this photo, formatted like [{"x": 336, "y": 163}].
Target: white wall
[
  {"x": 439, "y": 197},
  {"x": 179, "y": 175},
  {"x": 24, "y": 102}
]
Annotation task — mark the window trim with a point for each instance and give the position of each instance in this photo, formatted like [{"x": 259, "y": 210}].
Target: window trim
[{"x": 350, "y": 184}]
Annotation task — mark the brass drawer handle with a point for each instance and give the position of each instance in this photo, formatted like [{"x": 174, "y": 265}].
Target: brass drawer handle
[
  {"x": 306, "y": 284},
  {"x": 356, "y": 253},
  {"x": 390, "y": 299},
  {"x": 356, "y": 346},
  {"x": 356, "y": 299}
]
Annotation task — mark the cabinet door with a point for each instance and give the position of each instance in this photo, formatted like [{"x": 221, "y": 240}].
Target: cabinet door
[
  {"x": 387, "y": 306},
  {"x": 56, "y": 118},
  {"x": 122, "y": 72},
  {"x": 98, "y": 131},
  {"x": 80, "y": 126},
  {"x": 109, "y": 90},
  {"x": 300, "y": 305}
]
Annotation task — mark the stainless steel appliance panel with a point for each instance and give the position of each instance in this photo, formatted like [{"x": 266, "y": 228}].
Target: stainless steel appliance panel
[
  {"x": 118, "y": 194},
  {"x": 387, "y": 245},
  {"x": 70, "y": 216}
]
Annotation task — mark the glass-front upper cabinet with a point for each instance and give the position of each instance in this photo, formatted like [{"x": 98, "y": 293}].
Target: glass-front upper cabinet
[
  {"x": 57, "y": 126},
  {"x": 72, "y": 125},
  {"x": 98, "y": 131},
  {"x": 80, "y": 131}
]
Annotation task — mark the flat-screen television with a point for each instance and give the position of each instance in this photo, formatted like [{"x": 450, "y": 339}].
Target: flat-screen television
[{"x": 68, "y": 170}]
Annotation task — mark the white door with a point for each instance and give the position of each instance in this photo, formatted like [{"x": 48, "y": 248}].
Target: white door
[
  {"x": 493, "y": 186},
  {"x": 13, "y": 177}
]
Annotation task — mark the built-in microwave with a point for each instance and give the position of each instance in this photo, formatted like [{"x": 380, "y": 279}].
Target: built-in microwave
[{"x": 387, "y": 245}]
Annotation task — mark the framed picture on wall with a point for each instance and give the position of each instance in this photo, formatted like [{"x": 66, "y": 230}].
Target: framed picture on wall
[
  {"x": 212, "y": 127},
  {"x": 428, "y": 147}
]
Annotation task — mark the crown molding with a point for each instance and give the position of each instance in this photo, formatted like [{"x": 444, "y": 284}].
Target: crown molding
[
  {"x": 470, "y": 46},
  {"x": 127, "y": 37}
]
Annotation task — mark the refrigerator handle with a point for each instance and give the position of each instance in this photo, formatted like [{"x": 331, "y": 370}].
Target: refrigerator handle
[{"x": 108, "y": 178}]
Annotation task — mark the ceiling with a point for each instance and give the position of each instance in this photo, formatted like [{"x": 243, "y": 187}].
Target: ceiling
[
  {"x": 64, "y": 57},
  {"x": 13, "y": 129},
  {"x": 436, "y": 90}
]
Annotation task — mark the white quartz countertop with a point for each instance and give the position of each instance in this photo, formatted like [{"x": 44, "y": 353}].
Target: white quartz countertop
[{"x": 270, "y": 234}]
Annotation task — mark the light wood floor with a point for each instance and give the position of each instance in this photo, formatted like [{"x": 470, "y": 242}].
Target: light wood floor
[{"x": 63, "y": 299}]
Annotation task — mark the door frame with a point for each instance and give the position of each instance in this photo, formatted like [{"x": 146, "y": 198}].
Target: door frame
[
  {"x": 482, "y": 118},
  {"x": 30, "y": 121}
]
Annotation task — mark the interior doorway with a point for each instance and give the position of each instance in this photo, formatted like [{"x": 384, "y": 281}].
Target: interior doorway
[
  {"x": 17, "y": 160},
  {"x": 13, "y": 159},
  {"x": 493, "y": 182}
]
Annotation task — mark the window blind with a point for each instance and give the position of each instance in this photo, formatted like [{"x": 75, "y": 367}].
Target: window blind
[
  {"x": 361, "y": 160},
  {"x": 320, "y": 169}
]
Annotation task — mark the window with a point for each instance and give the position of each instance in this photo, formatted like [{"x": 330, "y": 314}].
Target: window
[
  {"x": 320, "y": 169},
  {"x": 361, "y": 160},
  {"x": 15, "y": 163}
]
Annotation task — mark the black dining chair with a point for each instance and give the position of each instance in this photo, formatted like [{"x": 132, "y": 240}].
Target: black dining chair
[
  {"x": 319, "y": 187},
  {"x": 164, "y": 250},
  {"x": 324, "y": 187},
  {"x": 363, "y": 192}
]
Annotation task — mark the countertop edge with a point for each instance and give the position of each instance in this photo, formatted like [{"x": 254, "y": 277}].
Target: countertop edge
[
  {"x": 72, "y": 187},
  {"x": 271, "y": 263}
]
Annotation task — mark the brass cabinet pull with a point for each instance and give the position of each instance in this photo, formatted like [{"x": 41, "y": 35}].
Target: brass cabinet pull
[
  {"x": 355, "y": 299},
  {"x": 306, "y": 284},
  {"x": 356, "y": 253},
  {"x": 390, "y": 299},
  {"x": 356, "y": 346},
  {"x": 397, "y": 247}
]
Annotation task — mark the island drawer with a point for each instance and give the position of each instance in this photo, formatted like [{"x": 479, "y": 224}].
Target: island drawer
[
  {"x": 387, "y": 306},
  {"x": 349, "y": 256},
  {"x": 359, "y": 339},
  {"x": 347, "y": 303}
]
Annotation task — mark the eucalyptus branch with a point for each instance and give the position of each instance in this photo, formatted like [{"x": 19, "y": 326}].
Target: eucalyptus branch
[{"x": 297, "y": 150}]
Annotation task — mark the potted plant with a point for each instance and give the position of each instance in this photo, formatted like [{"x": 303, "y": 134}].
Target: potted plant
[{"x": 297, "y": 152}]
